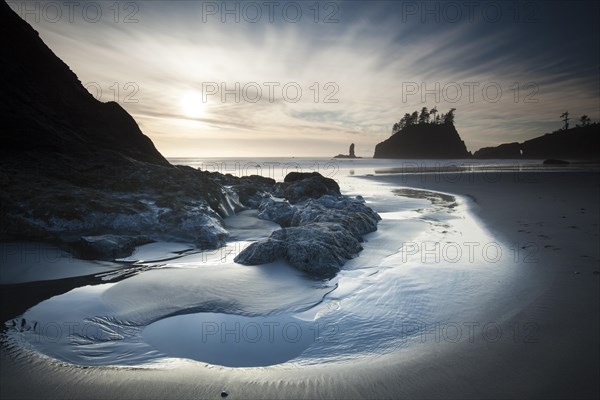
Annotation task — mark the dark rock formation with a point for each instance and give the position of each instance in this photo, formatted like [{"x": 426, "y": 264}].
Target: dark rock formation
[
  {"x": 353, "y": 214},
  {"x": 319, "y": 249},
  {"x": 423, "y": 141},
  {"x": 573, "y": 144},
  {"x": 47, "y": 113},
  {"x": 251, "y": 190},
  {"x": 322, "y": 234},
  {"x": 80, "y": 173},
  {"x": 300, "y": 186},
  {"x": 350, "y": 153},
  {"x": 107, "y": 247},
  {"x": 280, "y": 212},
  {"x": 552, "y": 161},
  {"x": 579, "y": 143},
  {"x": 507, "y": 150}
]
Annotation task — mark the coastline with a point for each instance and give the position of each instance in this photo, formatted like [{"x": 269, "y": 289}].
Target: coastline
[
  {"x": 522, "y": 207},
  {"x": 564, "y": 311}
]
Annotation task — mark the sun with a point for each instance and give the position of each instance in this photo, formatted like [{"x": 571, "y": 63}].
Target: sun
[{"x": 192, "y": 105}]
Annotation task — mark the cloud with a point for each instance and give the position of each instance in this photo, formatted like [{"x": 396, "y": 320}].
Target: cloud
[{"x": 352, "y": 74}]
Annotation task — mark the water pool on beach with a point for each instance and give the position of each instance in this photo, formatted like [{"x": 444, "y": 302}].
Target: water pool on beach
[{"x": 430, "y": 263}]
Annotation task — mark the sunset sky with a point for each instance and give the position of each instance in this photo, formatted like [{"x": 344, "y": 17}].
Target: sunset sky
[{"x": 359, "y": 65}]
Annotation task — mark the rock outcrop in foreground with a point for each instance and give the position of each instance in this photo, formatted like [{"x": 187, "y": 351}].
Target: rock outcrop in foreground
[
  {"x": 319, "y": 234},
  {"x": 428, "y": 141},
  {"x": 80, "y": 174}
]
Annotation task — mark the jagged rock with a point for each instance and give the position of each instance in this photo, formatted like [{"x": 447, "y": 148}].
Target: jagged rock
[
  {"x": 279, "y": 189},
  {"x": 280, "y": 212},
  {"x": 324, "y": 233},
  {"x": 319, "y": 249},
  {"x": 353, "y": 214},
  {"x": 252, "y": 190},
  {"x": 201, "y": 226},
  {"x": 301, "y": 186},
  {"x": 107, "y": 247},
  {"x": 262, "y": 252}
]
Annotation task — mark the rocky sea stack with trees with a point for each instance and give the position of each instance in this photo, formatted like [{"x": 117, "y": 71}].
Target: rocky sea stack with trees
[
  {"x": 429, "y": 135},
  {"x": 424, "y": 135}
]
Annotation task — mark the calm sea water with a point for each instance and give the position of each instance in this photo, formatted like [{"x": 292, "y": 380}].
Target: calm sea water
[{"x": 278, "y": 168}]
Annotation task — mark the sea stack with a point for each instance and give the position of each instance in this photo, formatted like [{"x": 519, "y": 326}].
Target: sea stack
[
  {"x": 350, "y": 153},
  {"x": 423, "y": 141}
]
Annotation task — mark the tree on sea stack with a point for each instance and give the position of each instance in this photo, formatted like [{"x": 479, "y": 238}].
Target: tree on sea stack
[
  {"x": 565, "y": 117},
  {"x": 423, "y": 135},
  {"x": 424, "y": 116},
  {"x": 449, "y": 118},
  {"x": 433, "y": 113},
  {"x": 414, "y": 118},
  {"x": 585, "y": 120}
]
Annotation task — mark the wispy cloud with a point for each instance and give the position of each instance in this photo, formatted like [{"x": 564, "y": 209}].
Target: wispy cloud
[{"x": 352, "y": 74}]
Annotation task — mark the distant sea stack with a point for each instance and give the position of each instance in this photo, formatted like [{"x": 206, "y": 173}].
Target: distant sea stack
[
  {"x": 581, "y": 142},
  {"x": 349, "y": 155},
  {"x": 420, "y": 136}
]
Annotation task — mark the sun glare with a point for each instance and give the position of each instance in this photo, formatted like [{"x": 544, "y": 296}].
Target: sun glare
[{"x": 192, "y": 105}]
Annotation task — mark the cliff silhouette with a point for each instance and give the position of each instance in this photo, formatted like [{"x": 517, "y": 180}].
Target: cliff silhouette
[
  {"x": 579, "y": 143},
  {"x": 48, "y": 114},
  {"x": 79, "y": 173}
]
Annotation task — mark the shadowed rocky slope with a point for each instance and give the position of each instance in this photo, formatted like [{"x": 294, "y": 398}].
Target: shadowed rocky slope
[
  {"x": 46, "y": 112},
  {"x": 73, "y": 168},
  {"x": 79, "y": 173}
]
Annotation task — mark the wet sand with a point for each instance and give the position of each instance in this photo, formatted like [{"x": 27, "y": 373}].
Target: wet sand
[{"x": 548, "y": 348}]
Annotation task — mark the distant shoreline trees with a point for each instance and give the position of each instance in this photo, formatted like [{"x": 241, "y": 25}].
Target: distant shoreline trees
[
  {"x": 565, "y": 118},
  {"x": 584, "y": 120},
  {"x": 426, "y": 116}
]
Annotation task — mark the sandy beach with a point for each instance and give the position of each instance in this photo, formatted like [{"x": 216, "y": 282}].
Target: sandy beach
[
  {"x": 306, "y": 200},
  {"x": 543, "y": 344}
]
